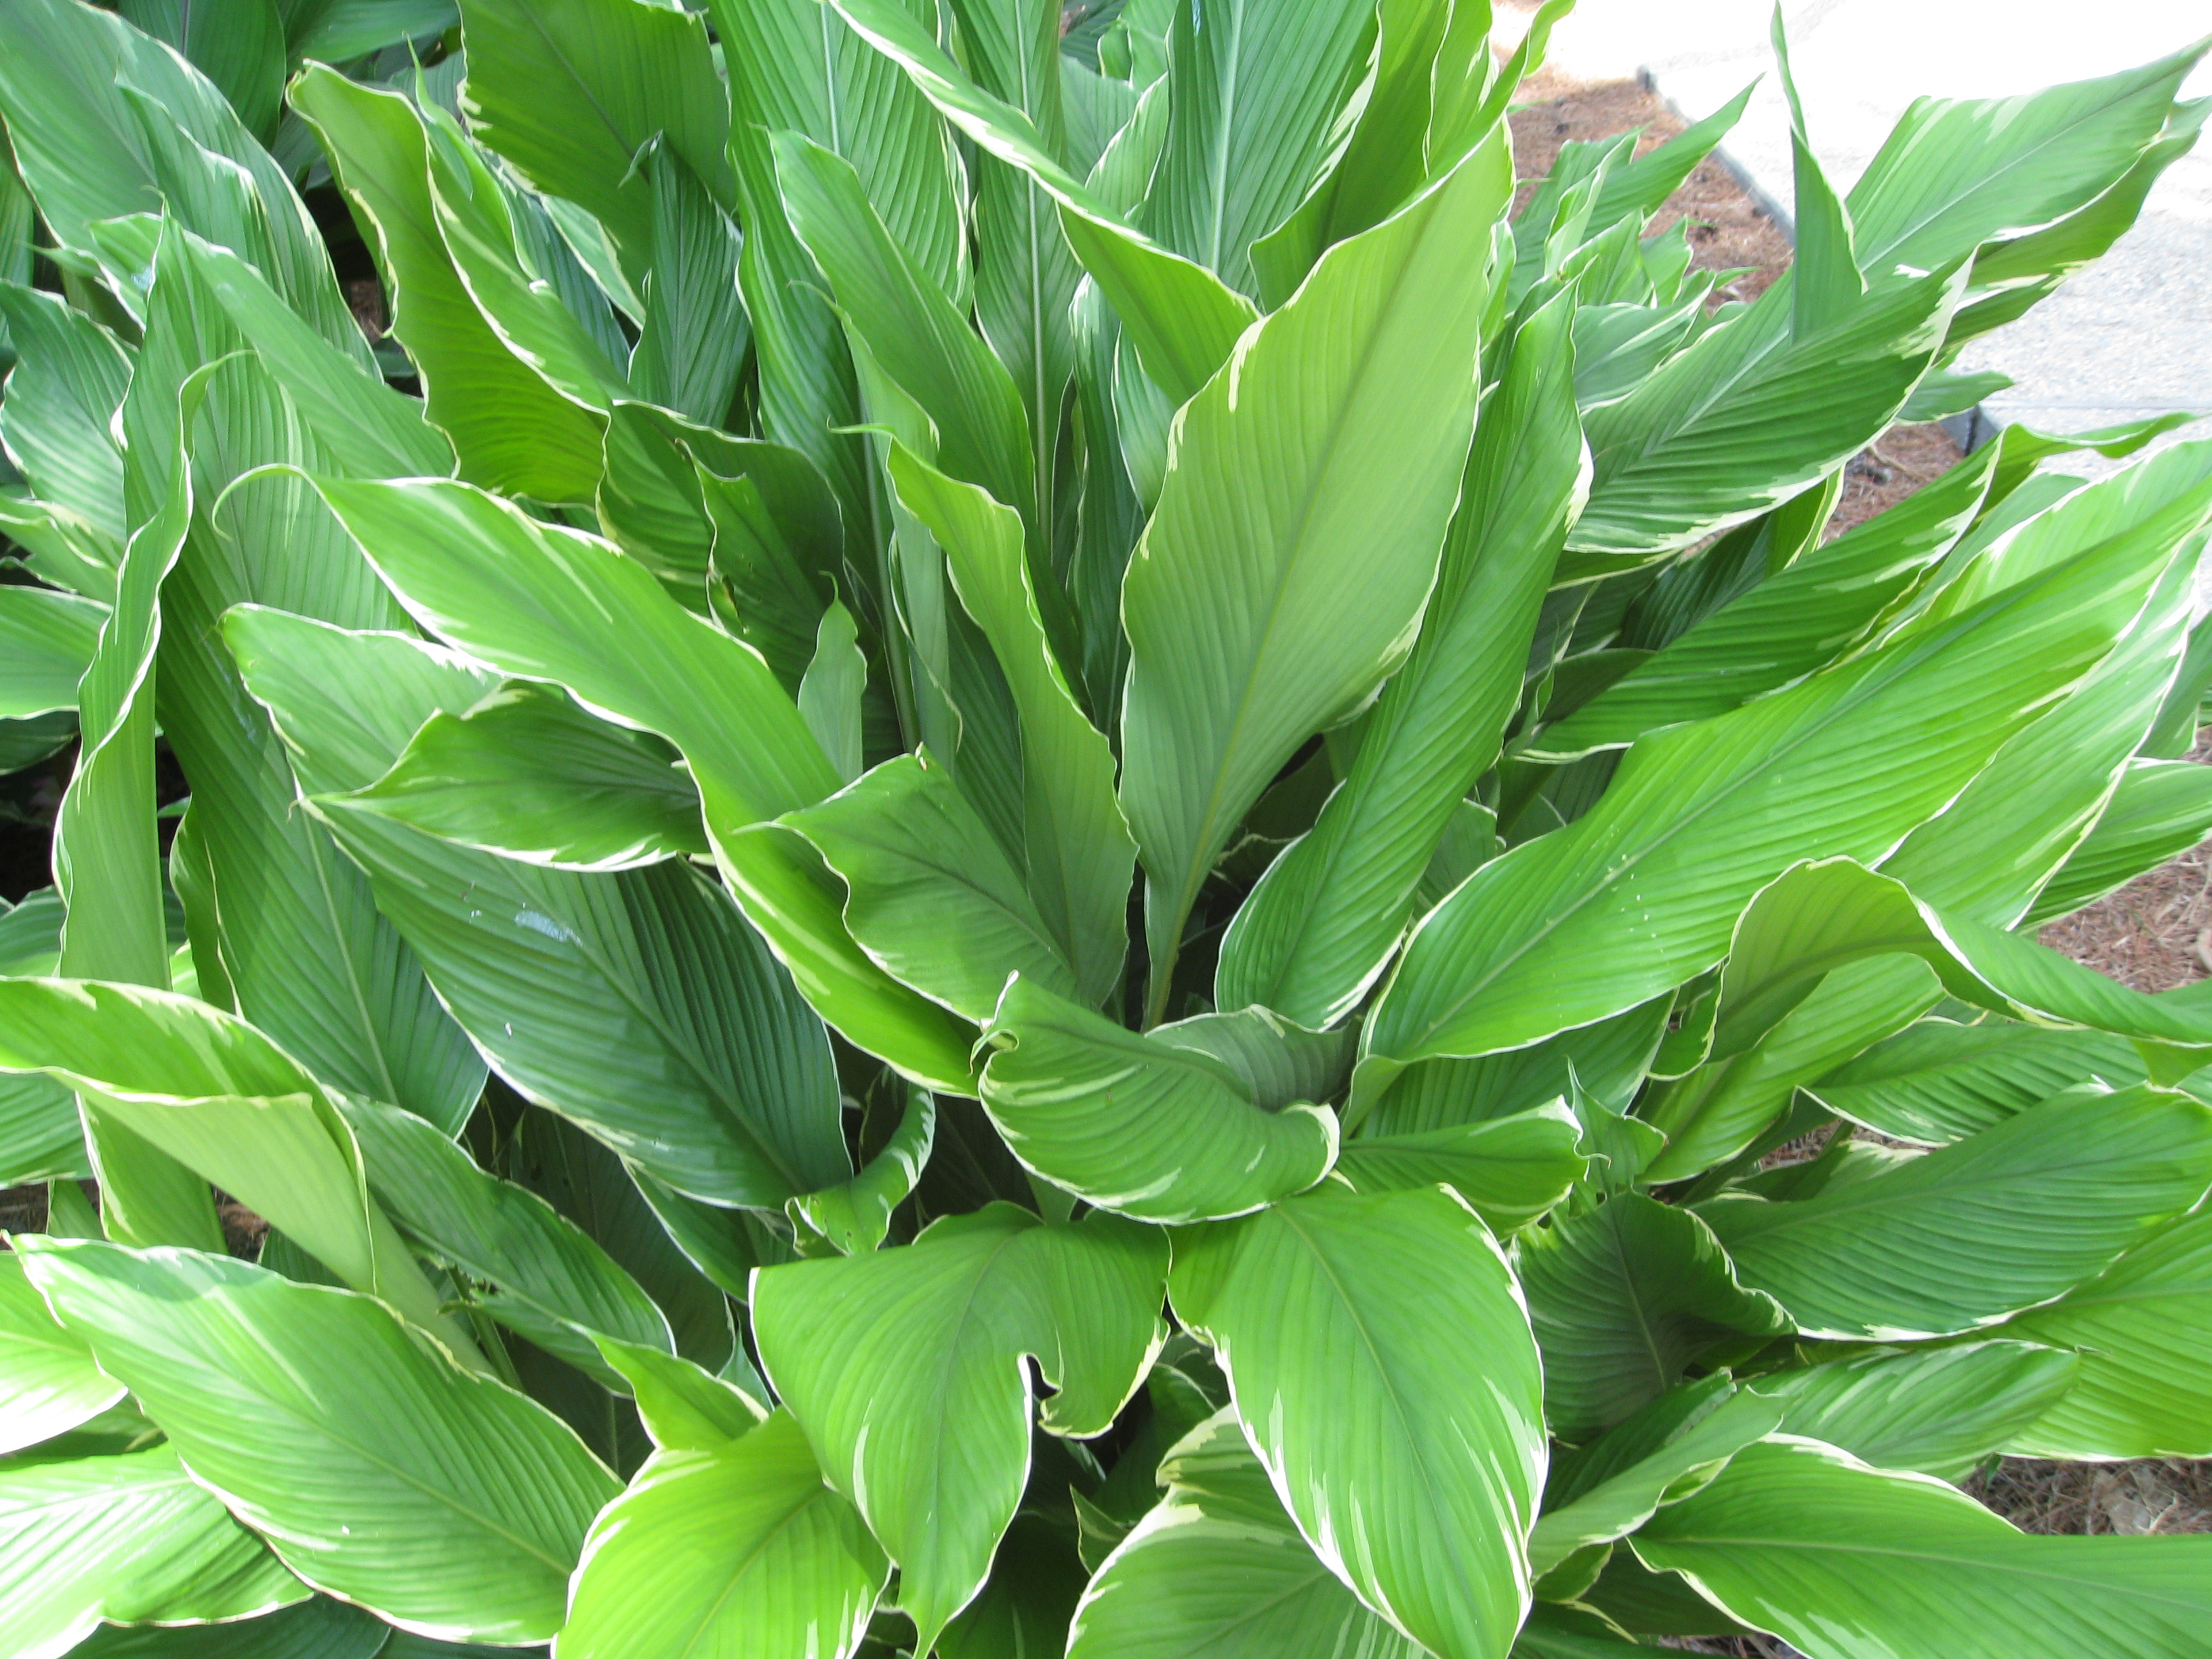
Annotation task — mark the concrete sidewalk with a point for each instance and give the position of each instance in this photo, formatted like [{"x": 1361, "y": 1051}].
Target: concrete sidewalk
[{"x": 2129, "y": 336}]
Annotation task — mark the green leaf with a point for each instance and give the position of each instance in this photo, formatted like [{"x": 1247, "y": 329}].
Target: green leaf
[
  {"x": 691, "y": 342},
  {"x": 738, "y": 1548},
  {"x": 107, "y": 122},
  {"x": 128, "y": 1538},
  {"x": 904, "y": 1368},
  {"x": 1939, "y": 1411},
  {"x": 1624, "y": 1297},
  {"x": 551, "y": 1283},
  {"x": 856, "y": 1215},
  {"x": 527, "y": 774},
  {"x": 831, "y": 690},
  {"x": 307, "y": 958},
  {"x": 1325, "y": 917},
  {"x": 1721, "y": 1108},
  {"x": 107, "y": 856},
  {"x": 337, "y": 30},
  {"x": 1255, "y": 92},
  {"x": 1955, "y": 173},
  {"x": 571, "y": 92},
  {"x": 378, "y": 1470},
  {"x": 1736, "y": 424},
  {"x": 2143, "y": 1334},
  {"x": 933, "y": 898},
  {"x": 1080, "y": 853},
  {"x": 1208, "y": 1117},
  {"x": 1699, "y": 817},
  {"x": 41, "y": 1137},
  {"x": 224, "y": 1102},
  {"x": 65, "y": 387},
  {"x": 1510, "y": 1169},
  {"x": 1845, "y": 1562},
  {"x": 1939, "y": 1082},
  {"x": 457, "y": 558},
  {"x": 2160, "y": 809},
  {"x": 1332, "y": 448},
  {"x": 1181, "y": 317},
  {"x": 47, "y": 638},
  {"x": 240, "y": 47},
  {"x": 48, "y": 1383},
  {"x": 2007, "y": 1218},
  {"x": 1637, "y": 1470},
  {"x": 684, "y": 1407},
  {"x": 908, "y": 325},
  {"x": 510, "y": 430},
  {"x": 1790, "y": 625},
  {"x": 1825, "y": 275},
  {"x": 1219, "y": 1568},
  {"x": 317, "y": 1628},
  {"x": 1380, "y": 1360}
]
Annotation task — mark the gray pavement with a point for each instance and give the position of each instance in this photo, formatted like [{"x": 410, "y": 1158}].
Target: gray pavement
[{"x": 2131, "y": 337}]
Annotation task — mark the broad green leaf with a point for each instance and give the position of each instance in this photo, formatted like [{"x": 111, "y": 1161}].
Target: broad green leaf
[
  {"x": 317, "y": 1628},
  {"x": 1209, "y": 1117},
  {"x": 1701, "y": 816},
  {"x": 107, "y": 122},
  {"x": 1332, "y": 447},
  {"x": 831, "y": 690},
  {"x": 41, "y": 1137},
  {"x": 691, "y": 342},
  {"x": 457, "y": 557},
  {"x": 911, "y": 329},
  {"x": 1825, "y": 275},
  {"x": 1025, "y": 274},
  {"x": 856, "y": 1215},
  {"x": 1787, "y": 627},
  {"x": 510, "y": 430},
  {"x": 47, "y": 638},
  {"x": 67, "y": 383},
  {"x": 1379, "y": 1358},
  {"x": 549, "y": 1282},
  {"x": 684, "y": 1407},
  {"x": 128, "y": 1538},
  {"x": 1939, "y": 1082},
  {"x": 477, "y": 222},
  {"x": 240, "y": 47},
  {"x": 933, "y": 898},
  {"x": 2143, "y": 1334},
  {"x": 224, "y": 1102},
  {"x": 1737, "y": 424},
  {"x": 529, "y": 775},
  {"x": 2160, "y": 809},
  {"x": 48, "y": 1383},
  {"x": 570, "y": 91},
  {"x": 1618, "y": 1487},
  {"x": 1254, "y": 90},
  {"x": 1721, "y": 1108},
  {"x": 309, "y": 959},
  {"x": 1323, "y": 921},
  {"x": 905, "y": 1369},
  {"x": 740, "y": 1549},
  {"x": 1846, "y": 1562},
  {"x": 1939, "y": 1411},
  {"x": 1622, "y": 1298},
  {"x": 2007, "y": 1217},
  {"x": 1080, "y": 854},
  {"x": 1219, "y": 1568},
  {"x": 106, "y": 855},
  {"x": 1954, "y": 173},
  {"x": 1510, "y": 1169},
  {"x": 1182, "y": 319},
  {"x": 378, "y": 1469}
]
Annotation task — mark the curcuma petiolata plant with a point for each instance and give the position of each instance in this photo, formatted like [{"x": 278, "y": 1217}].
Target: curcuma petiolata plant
[{"x": 1021, "y": 844}]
